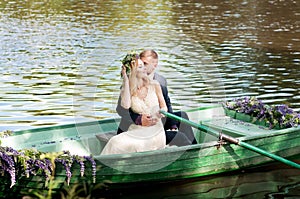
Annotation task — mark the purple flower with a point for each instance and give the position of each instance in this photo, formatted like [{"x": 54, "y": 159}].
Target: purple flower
[
  {"x": 7, "y": 163},
  {"x": 274, "y": 115},
  {"x": 90, "y": 158},
  {"x": 66, "y": 160},
  {"x": 32, "y": 162},
  {"x": 80, "y": 160}
]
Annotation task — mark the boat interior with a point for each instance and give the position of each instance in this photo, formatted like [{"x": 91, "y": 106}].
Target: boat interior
[{"x": 90, "y": 137}]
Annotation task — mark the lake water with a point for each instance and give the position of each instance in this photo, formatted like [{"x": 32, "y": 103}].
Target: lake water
[{"x": 60, "y": 60}]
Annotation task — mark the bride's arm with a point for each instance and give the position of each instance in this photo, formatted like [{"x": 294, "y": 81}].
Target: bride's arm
[
  {"x": 125, "y": 91},
  {"x": 161, "y": 100}
]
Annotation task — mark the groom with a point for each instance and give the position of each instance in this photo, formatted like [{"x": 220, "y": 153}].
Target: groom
[{"x": 177, "y": 133}]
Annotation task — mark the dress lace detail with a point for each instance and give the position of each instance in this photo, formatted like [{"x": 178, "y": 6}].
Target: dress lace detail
[
  {"x": 148, "y": 105},
  {"x": 139, "y": 138}
]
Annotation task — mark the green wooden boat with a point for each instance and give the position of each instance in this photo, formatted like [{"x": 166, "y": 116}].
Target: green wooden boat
[{"x": 209, "y": 157}]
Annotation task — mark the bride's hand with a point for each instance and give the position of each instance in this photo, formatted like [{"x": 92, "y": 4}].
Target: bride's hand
[
  {"x": 160, "y": 115},
  {"x": 124, "y": 74},
  {"x": 133, "y": 64}
]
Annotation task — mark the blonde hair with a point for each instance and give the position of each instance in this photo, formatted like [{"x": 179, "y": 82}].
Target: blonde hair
[{"x": 134, "y": 81}]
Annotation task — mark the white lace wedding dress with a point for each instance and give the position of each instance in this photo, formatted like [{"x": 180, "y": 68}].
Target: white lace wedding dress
[{"x": 139, "y": 138}]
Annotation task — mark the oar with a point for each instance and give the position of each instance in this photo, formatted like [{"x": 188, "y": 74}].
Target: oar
[{"x": 231, "y": 139}]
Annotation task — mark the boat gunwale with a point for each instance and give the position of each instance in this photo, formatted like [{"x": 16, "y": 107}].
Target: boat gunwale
[
  {"x": 161, "y": 151},
  {"x": 65, "y": 126}
]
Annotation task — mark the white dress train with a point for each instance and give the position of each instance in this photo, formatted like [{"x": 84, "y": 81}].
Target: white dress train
[{"x": 139, "y": 138}]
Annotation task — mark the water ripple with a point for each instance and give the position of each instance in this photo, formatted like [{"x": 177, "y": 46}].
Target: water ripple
[{"x": 62, "y": 61}]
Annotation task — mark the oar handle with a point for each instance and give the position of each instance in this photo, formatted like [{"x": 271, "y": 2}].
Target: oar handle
[
  {"x": 270, "y": 155},
  {"x": 231, "y": 139}
]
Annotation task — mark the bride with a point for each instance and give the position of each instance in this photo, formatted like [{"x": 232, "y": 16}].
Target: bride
[{"x": 143, "y": 96}]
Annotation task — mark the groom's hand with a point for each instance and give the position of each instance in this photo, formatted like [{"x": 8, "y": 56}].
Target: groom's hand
[{"x": 148, "y": 120}]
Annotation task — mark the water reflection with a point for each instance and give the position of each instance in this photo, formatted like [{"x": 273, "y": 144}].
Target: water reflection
[
  {"x": 60, "y": 61},
  {"x": 59, "y": 58},
  {"x": 271, "y": 25},
  {"x": 267, "y": 183}
]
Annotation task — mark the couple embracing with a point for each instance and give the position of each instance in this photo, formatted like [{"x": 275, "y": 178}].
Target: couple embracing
[{"x": 142, "y": 128}]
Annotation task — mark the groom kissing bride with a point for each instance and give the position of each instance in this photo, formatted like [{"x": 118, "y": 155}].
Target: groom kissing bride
[{"x": 143, "y": 93}]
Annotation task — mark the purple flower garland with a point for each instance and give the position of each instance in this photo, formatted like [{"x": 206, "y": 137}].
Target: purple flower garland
[
  {"x": 280, "y": 115},
  {"x": 31, "y": 162}
]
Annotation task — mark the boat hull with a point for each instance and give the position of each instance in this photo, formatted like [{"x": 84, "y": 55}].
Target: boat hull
[{"x": 172, "y": 163}]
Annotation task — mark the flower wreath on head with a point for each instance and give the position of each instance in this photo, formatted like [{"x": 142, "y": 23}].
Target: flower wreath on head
[{"x": 128, "y": 60}]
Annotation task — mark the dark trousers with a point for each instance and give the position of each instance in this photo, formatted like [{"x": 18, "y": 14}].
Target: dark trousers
[{"x": 184, "y": 135}]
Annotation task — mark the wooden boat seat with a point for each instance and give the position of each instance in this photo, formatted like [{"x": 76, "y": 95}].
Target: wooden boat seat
[
  {"x": 104, "y": 137},
  {"x": 237, "y": 128}
]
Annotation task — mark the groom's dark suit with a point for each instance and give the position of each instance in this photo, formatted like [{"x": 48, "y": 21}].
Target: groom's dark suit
[{"x": 184, "y": 136}]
